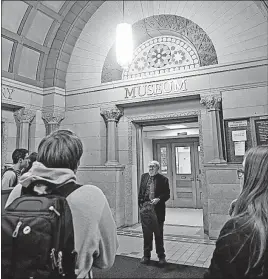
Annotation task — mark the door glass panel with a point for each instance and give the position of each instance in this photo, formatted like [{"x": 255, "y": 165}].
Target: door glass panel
[
  {"x": 163, "y": 160},
  {"x": 183, "y": 160}
]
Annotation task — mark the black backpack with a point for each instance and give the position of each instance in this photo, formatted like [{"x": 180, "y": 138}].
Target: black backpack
[
  {"x": 38, "y": 235},
  {"x": 11, "y": 169}
]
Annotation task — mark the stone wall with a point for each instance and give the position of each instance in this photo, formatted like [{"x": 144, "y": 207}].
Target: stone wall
[
  {"x": 223, "y": 187},
  {"x": 111, "y": 181}
]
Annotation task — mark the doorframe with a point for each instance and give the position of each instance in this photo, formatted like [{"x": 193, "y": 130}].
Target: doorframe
[
  {"x": 131, "y": 183},
  {"x": 192, "y": 140}
]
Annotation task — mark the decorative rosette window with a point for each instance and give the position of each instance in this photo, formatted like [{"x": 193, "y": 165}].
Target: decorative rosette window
[{"x": 159, "y": 55}]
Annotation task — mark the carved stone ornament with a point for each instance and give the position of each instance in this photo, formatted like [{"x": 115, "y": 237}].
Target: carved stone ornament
[
  {"x": 188, "y": 47},
  {"x": 113, "y": 114},
  {"x": 24, "y": 115},
  {"x": 212, "y": 102},
  {"x": 53, "y": 117}
]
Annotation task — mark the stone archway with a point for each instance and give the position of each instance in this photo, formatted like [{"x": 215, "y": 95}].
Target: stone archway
[{"x": 159, "y": 26}]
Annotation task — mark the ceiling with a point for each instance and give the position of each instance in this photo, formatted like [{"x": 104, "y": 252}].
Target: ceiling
[{"x": 65, "y": 43}]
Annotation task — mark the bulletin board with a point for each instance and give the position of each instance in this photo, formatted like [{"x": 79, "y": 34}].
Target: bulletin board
[
  {"x": 238, "y": 137},
  {"x": 261, "y": 130}
]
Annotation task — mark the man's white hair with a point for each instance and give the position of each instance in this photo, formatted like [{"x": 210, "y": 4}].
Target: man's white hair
[{"x": 155, "y": 163}]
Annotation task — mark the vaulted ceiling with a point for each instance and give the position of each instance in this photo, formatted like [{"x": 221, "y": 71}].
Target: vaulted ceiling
[{"x": 65, "y": 43}]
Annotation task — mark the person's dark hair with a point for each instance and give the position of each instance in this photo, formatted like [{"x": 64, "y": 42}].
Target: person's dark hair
[
  {"x": 253, "y": 201},
  {"x": 32, "y": 158},
  {"x": 60, "y": 149},
  {"x": 19, "y": 153}
]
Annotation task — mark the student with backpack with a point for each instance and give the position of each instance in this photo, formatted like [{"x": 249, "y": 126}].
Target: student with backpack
[
  {"x": 57, "y": 228},
  {"x": 11, "y": 173},
  {"x": 31, "y": 159}
]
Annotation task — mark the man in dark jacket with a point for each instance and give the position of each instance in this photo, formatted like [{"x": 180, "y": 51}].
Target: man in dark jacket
[{"x": 154, "y": 192}]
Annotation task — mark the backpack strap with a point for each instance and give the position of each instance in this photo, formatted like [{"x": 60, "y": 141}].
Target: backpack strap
[{"x": 64, "y": 190}]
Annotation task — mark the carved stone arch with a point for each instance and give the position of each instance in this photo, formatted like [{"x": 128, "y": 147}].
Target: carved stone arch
[{"x": 159, "y": 26}]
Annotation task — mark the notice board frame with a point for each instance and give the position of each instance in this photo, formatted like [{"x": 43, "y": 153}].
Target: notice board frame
[
  {"x": 229, "y": 143},
  {"x": 252, "y": 137},
  {"x": 256, "y": 140}
]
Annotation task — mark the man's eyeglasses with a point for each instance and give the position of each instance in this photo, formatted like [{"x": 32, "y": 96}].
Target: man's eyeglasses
[
  {"x": 240, "y": 173},
  {"x": 152, "y": 166}
]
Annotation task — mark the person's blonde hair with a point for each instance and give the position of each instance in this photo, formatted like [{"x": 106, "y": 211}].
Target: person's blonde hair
[
  {"x": 253, "y": 201},
  {"x": 60, "y": 149}
]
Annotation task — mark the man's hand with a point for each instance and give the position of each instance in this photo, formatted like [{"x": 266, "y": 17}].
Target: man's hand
[{"x": 155, "y": 201}]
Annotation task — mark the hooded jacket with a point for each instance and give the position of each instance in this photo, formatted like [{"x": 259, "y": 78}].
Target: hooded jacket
[{"x": 94, "y": 227}]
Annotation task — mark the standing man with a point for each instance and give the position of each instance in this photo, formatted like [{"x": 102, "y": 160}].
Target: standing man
[
  {"x": 154, "y": 189},
  {"x": 11, "y": 174}
]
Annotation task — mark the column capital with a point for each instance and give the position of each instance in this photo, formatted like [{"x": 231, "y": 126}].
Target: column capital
[
  {"x": 53, "y": 117},
  {"x": 211, "y": 102},
  {"x": 111, "y": 114},
  {"x": 24, "y": 115}
]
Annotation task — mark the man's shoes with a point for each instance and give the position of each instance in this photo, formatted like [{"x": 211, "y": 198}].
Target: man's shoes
[
  {"x": 162, "y": 262},
  {"x": 145, "y": 260}
]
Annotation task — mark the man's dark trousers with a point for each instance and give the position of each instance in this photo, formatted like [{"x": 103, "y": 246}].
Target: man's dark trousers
[{"x": 148, "y": 241}]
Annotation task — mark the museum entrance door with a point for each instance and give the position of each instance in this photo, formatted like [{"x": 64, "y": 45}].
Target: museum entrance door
[{"x": 179, "y": 161}]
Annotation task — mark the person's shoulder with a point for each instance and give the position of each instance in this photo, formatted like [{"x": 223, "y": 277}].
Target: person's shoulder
[
  {"x": 9, "y": 172},
  {"x": 86, "y": 191},
  {"x": 235, "y": 226},
  {"x": 91, "y": 189},
  {"x": 162, "y": 176}
]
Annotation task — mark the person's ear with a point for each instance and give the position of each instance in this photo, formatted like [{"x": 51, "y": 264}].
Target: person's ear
[{"x": 78, "y": 164}]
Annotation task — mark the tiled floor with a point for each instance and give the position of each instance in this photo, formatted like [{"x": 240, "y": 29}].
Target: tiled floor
[
  {"x": 184, "y": 244},
  {"x": 184, "y": 216}
]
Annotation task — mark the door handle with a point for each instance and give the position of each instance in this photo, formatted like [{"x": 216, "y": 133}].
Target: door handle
[{"x": 192, "y": 179}]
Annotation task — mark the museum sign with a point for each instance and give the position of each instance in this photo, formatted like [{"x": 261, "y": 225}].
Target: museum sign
[{"x": 156, "y": 88}]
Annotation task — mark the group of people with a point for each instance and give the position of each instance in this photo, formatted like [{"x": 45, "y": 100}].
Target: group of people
[
  {"x": 241, "y": 249},
  {"x": 22, "y": 162},
  {"x": 58, "y": 158}
]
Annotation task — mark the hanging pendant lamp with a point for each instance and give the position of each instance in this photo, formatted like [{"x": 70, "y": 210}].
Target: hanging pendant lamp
[{"x": 124, "y": 43}]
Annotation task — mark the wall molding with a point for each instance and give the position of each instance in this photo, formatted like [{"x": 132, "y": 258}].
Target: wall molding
[
  {"x": 4, "y": 140},
  {"x": 102, "y": 168},
  {"x": 163, "y": 77},
  {"x": 137, "y": 101}
]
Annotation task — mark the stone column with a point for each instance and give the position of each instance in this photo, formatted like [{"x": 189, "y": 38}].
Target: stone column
[
  {"x": 52, "y": 120},
  {"x": 213, "y": 105},
  {"x": 23, "y": 118},
  {"x": 111, "y": 118}
]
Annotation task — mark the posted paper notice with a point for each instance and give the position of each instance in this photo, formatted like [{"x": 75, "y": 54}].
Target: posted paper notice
[
  {"x": 239, "y": 148},
  {"x": 240, "y": 135}
]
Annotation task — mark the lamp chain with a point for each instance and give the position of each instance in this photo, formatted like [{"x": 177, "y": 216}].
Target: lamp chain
[{"x": 123, "y": 11}]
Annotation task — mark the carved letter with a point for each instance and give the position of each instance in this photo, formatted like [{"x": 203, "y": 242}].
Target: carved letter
[
  {"x": 150, "y": 89},
  {"x": 170, "y": 87},
  {"x": 10, "y": 91},
  {"x": 158, "y": 89},
  {"x": 139, "y": 91},
  {"x": 7, "y": 92},
  {"x": 128, "y": 94},
  {"x": 181, "y": 86}
]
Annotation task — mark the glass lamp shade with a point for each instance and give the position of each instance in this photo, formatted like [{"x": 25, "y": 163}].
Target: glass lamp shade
[{"x": 124, "y": 44}]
